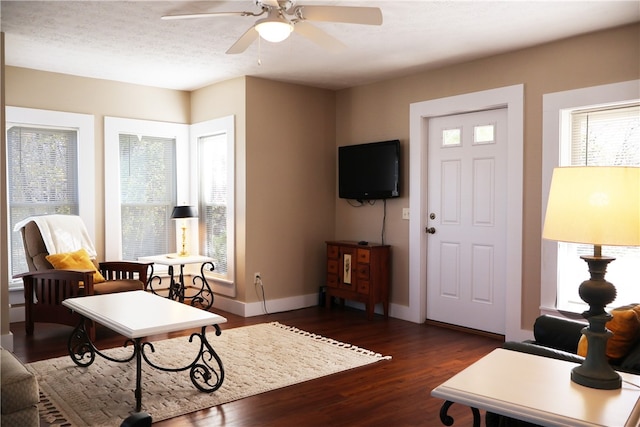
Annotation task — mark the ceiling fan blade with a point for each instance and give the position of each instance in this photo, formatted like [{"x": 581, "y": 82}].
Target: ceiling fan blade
[
  {"x": 244, "y": 41},
  {"x": 318, "y": 36},
  {"x": 346, "y": 14},
  {"x": 205, "y": 15}
]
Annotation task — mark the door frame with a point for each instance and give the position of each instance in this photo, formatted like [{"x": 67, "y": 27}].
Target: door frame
[{"x": 511, "y": 98}]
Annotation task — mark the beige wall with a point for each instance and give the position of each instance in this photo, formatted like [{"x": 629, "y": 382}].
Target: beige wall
[
  {"x": 52, "y": 91},
  {"x": 381, "y": 111},
  {"x": 221, "y": 100},
  {"x": 290, "y": 186},
  {"x": 285, "y": 142}
]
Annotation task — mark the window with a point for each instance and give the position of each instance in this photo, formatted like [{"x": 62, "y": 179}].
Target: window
[
  {"x": 595, "y": 127},
  {"x": 48, "y": 154},
  {"x": 151, "y": 167},
  {"x": 601, "y": 136},
  {"x": 212, "y": 151},
  {"x": 147, "y": 194},
  {"x": 146, "y": 174},
  {"x": 214, "y": 142}
]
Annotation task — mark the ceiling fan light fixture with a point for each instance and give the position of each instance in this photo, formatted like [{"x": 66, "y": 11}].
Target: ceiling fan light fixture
[{"x": 274, "y": 30}]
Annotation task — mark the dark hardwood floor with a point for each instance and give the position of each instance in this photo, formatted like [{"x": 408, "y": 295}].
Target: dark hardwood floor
[{"x": 387, "y": 393}]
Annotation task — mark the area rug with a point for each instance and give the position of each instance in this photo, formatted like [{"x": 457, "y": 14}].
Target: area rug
[{"x": 256, "y": 359}]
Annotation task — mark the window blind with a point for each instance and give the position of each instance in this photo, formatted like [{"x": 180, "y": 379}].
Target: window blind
[
  {"x": 213, "y": 198},
  {"x": 608, "y": 137},
  {"x": 42, "y": 177},
  {"x": 147, "y": 194}
]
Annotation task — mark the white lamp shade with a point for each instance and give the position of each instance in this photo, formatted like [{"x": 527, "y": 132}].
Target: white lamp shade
[
  {"x": 594, "y": 204},
  {"x": 274, "y": 29}
]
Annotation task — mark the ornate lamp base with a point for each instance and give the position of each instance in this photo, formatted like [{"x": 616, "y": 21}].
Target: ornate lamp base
[{"x": 595, "y": 371}]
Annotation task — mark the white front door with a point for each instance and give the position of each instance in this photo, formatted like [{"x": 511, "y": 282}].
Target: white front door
[{"x": 467, "y": 220}]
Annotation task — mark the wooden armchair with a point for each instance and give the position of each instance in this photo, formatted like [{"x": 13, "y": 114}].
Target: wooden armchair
[{"x": 45, "y": 287}]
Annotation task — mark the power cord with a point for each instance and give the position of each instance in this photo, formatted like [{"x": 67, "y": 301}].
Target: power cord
[
  {"x": 630, "y": 383},
  {"x": 258, "y": 284},
  {"x": 384, "y": 220}
]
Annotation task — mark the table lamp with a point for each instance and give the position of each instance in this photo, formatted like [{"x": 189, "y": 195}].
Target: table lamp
[
  {"x": 184, "y": 212},
  {"x": 600, "y": 206}
]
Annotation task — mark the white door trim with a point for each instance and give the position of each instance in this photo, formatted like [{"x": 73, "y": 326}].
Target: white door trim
[{"x": 512, "y": 98}]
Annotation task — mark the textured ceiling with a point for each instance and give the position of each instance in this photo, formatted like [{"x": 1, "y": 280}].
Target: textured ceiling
[{"x": 127, "y": 41}]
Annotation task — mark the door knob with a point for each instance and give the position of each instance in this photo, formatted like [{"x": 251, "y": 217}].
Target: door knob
[{"x": 431, "y": 230}]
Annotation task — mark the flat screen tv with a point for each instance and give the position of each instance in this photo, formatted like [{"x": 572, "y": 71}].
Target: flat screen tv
[{"x": 369, "y": 171}]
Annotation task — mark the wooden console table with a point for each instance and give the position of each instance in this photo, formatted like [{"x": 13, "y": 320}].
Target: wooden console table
[
  {"x": 358, "y": 272},
  {"x": 539, "y": 390}
]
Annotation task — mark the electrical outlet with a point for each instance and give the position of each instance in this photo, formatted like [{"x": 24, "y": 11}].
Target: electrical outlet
[
  {"x": 405, "y": 213},
  {"x": 256, "y": 278}
]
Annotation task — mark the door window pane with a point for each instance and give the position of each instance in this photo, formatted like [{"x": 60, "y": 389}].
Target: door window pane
[
  {"x": 483, "y": 134},
  {"x": 451, "y": 137}
]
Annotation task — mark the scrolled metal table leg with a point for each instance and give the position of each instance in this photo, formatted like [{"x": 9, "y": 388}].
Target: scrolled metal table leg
[
  {"x": 204, "y": 296},
  {"x": 153, "y": 278},
  {"x": 80, "y": 348},
  {"x": 204, "y": 375},
  {"x": 476, "y": 417},
  {"x": 138, "y": 390},
  {"x": 174, "y": 286},
  {"x": 83, "y": 352},
  {"x": 447, "y": 420}
]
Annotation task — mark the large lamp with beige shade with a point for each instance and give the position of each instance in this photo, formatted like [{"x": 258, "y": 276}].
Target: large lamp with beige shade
[{"x": 595, "y": 205}]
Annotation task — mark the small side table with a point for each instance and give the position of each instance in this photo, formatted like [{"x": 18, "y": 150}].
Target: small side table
[
  {"x": 203, "y": 298},
  {"x": 538, "y": 390}
]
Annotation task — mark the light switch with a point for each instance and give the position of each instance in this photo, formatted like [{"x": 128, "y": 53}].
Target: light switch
[{"x": 405, "y": 213}]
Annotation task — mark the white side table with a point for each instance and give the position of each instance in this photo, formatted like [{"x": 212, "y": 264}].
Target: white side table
[
  {"x": 203, "y": 298},
  {"x": 538, "y": 390}
]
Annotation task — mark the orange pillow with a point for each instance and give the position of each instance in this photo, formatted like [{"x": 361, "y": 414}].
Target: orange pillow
[
  {"x": 78, "y": 260},
  {"x": 625, "y": 326}
]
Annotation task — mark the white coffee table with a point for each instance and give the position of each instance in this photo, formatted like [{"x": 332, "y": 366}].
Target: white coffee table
[
  {"x": 137, "y": 315},
  {"x": 203, "y": 298},
  {"x": 538, "y": 390}
]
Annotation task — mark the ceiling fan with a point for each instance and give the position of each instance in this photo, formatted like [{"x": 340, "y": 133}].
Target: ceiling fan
[{"x": 283, "y": 17}]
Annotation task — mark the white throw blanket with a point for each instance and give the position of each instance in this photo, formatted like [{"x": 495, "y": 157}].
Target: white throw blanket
[{"x": 62, "y": 233}]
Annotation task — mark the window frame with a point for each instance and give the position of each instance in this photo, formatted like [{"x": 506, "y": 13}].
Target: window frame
[
  {"x": 113, "y": 127},
  {"x": 224, "y": 285},
  {"x": 557, "y": 108},
  {"x": 84, "y": 125}
]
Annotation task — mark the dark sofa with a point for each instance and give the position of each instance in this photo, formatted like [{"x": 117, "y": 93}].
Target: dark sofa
[{"x": 558, "y": 338}]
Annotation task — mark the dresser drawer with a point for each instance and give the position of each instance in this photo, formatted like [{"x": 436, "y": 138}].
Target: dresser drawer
[
  {"x": 363, "y": 271},
  {"x": 332, "y": 280},
  {"x": 363, "y": 255},
  {"x": 333, "y": 252},
  {"x": 332, "y": 266},
  {"x": 363, "y": 287}
]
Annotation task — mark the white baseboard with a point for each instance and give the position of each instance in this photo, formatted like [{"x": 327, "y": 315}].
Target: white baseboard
[
  {"x": 16, "y": 313},
  {"x": 16, "y": 304},
  {"x": 7, "y": 341},
  {"x": 396, "y": 311},
  {"x": 257, "y": 308}
]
